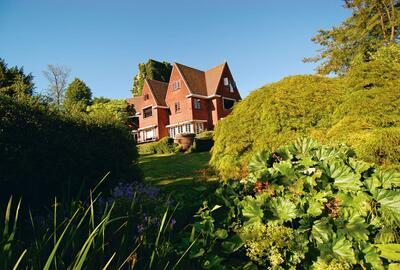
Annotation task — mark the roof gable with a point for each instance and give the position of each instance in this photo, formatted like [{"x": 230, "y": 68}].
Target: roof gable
[
  {"x": 158, "y": 90},
  {"x": 200, "y": 82}
]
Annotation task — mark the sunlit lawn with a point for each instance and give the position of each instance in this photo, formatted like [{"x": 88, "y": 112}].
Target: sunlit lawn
[{"x": 187, "y": 177}]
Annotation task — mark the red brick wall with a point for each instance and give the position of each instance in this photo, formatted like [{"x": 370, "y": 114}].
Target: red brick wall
[
  {"x": 163, "y": 120},
  {"x": 152, "y": 120},
  {"x": 180, "y": 94},
  {"x": 203, "y": 112}
]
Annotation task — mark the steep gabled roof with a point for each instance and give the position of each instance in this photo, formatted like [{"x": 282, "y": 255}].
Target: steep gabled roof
[
  {"x": 200, "y": 82},
  {"x": 213, "y": 77},
  {"x": 159, "y": 91},
  {"x": 194, "y": 78}
]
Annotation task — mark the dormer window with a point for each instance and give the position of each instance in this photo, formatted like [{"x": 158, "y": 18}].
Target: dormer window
[
  {"x": 226, "y": 81},
  {"x": 176, "y": 85},
  {"x": 146, "y": 96}
]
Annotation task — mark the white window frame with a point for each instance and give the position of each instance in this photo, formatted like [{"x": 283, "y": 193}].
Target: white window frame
[
  {"x": 226, "y": 81},
  {"x": 176, "y": 85}
]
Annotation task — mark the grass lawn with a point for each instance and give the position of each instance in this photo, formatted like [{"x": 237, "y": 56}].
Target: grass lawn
[
  {"x": 187, "y": 177},
  {"x": 176, "y": 169}
]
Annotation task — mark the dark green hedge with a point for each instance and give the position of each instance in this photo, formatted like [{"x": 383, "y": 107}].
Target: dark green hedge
[{"x": 44, "y": 153}]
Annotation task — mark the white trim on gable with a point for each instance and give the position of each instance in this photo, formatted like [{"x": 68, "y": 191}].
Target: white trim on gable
[{"x": 201, "y": 96}]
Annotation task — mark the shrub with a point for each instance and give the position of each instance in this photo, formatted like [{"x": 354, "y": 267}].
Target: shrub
[
  {"x": 165, "y": 145},
  {"x": 272, "y": 116},
  {"x": 303, "y": 206},
  {"x": 361, "y": 109},
  {"x": 203, "y": 142},
  {"x": 44, "y": 153}
]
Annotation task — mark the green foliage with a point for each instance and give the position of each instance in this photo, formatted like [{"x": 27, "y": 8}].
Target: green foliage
[
  {"x": 372, "y": 24},
  {"x": 130, "y": 229},
  {"x": 110, "y": 110},
  {"x": 311, "y": 206},
  {"x": 203, "y": 142},
  {"x": 44, "y": 152},
  {"x": 273, "y": 116},
  {"x": 154, "y": 70},
  {"x": 165, "y": 145},
  {"x": 361, "y": 110},
  {"x": 77, "y": 96},
  {"x": 14, "y": 82}
]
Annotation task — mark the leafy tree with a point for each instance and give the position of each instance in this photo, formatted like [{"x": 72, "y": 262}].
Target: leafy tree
[
  {"x": 58, "y": 79},
  {"x": 14, "y": 82},
  {"x": 106, "y": 110},
  {"x": 373, "y": 23},
  {"x": 77, "y": 96},
  {"x": 160, "y": 71}
]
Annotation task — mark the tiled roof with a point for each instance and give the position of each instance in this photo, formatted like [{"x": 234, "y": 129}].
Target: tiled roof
[
  {"x": 213, "y": 77},
  {"x": 159, "y": 90},
  {"x": 200, "y": 82}
]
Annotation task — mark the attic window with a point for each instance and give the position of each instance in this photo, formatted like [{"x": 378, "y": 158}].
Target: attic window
[
  {"x": 176, "y": 85},
  {"x": 146, "y": 96},
  {"x": 226, "y": 81}
]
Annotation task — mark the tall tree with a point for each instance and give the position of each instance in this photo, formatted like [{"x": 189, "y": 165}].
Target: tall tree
[
  {"x": 77, "y": 96},
  {"x": 372, "y": 24},
  {"x": 160, "y": 71},
  {"x": 58, "y": 79},
  {"x": 14, "y": 82}
]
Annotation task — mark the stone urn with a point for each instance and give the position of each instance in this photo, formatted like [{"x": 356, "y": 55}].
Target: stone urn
[{"x": 185, "y": 140}]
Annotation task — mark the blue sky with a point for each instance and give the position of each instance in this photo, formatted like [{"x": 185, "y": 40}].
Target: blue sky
[{"x": 103, "y": 41}]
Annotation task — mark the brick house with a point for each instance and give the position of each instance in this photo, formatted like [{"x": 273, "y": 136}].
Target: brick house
[{"x": 192, "y": 101}]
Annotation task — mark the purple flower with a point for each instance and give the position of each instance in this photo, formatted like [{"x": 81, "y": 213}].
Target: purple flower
[
  {"x": 140, "y": 228},
  {"x": 173, "y": 222}
]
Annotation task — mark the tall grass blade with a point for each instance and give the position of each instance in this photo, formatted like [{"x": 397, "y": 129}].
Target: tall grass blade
[
  {"x": 19, "y": 260},
  {"x": 161, "y": 229},
  {"x": 184, "y": 254},
  {"x": 109, "y": 262},
  {"x": 53, "y": 252}
]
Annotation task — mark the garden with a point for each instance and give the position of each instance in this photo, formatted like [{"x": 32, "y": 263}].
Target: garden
[{"x": 303, "y": 174}]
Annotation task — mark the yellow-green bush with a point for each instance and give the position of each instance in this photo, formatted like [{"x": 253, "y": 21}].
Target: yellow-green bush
[
  {"x": 361, "y": 109},
  {"x": 165, "y": 145},
  {"x": 272, "y": 116}
]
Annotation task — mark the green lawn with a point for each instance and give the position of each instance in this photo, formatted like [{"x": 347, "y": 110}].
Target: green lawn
[
  {"x": 176, "y": 169},
  {"x": 186, "y": 177}
]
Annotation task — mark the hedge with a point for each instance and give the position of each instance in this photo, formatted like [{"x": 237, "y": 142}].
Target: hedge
[{"x": 44, "y": 153}]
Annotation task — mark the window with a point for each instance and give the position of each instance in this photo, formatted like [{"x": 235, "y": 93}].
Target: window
[
  {"x": 198, "y": 127},
  {"x": 231, "y": 88},
  {"x": 188, "y": 128},
  {"x": 226, "y": 81},
  {"x": 177, "y": 107},
  {"x": 147, "y": 112},
  {"x": 176, "y": 85},
  {"x": 180, "y": 129},
  {"x": 197, "y": 103},
  {"x": 146, "y": 96},
  {"x": 228, "y": 103}
]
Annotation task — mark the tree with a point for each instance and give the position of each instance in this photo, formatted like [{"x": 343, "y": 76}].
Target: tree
[
  {"x": 77, "y": 96},
  {"x": 373, "y": 24},
  {"x": 14, "y": 82},
  {"x": 160, "y": 71},
  {"x": 57, "y": 77}
]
